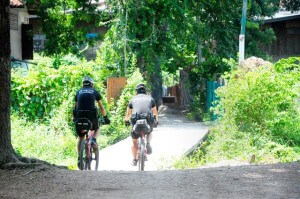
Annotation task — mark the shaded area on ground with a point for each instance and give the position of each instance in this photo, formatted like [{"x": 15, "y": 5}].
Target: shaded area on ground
[{"x": 266, "y": 181}]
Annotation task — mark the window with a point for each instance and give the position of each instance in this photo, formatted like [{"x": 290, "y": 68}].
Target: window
[
  {"x": 38, "y": 42},
  {"x": 13, "y": 21}
]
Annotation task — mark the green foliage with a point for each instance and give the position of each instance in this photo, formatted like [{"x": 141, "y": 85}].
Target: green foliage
[
  {"x": 263, "y": 101},
  {"x": 44, "y": 89},
  {"x": 170, "y": 79},
  {"x": 45, "y": 97},
  {"x": 110, "y": 56},
  {"x": 257, "y": 38},
  {"x": 66, "y": 24},
  {"x": 198, "y": 78},
  {"x": 117, "y": 130},
  {"x": 44, "y": 142},
  {"x": 291, "y": 5},
  {"x": 260, "y": 117}
]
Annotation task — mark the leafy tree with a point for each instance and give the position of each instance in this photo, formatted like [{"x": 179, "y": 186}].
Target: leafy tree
[
  {"x": 291, "y": 4},
  {"x": 142, "y": 26}
]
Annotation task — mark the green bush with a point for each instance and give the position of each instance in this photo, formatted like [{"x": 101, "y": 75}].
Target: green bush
[
  {"x": 259, "y": 117},
  {"x": 262, "y": 101},
  {"x": 44, "y": 89}
]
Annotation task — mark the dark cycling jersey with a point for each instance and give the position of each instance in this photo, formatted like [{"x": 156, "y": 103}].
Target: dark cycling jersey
[
  {"x": 86, "y": 98},
  {"x": 141, "y": 103}
]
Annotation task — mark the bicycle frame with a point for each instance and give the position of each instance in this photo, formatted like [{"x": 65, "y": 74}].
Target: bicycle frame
[{"x": 88, "y": 143}]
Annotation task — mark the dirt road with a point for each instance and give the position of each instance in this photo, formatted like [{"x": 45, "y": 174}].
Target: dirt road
[{"x": 268, "y": 181}]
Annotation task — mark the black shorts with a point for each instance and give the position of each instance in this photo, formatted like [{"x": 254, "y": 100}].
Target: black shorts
[{"x": 93, "y": 117}]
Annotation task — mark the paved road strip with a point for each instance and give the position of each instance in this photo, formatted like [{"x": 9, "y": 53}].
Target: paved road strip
[{"x": 174, "y": 138}]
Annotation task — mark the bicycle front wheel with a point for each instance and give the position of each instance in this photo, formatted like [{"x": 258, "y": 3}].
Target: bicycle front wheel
[{"x": 142, "y": 158}]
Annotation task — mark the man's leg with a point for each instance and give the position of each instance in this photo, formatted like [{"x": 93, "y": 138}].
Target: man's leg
[
  {"x": 149, "y": 137},
  {"x": 134, "y": 148},
  {"x": 96, "y": 127},
  {"x": 79, "y": 143},
  {"x": 96, "y": 133}
]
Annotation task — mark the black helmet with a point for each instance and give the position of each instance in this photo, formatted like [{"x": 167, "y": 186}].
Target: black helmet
[
  {"x": 87, "y": 81},
  {"x": 140, "y": 88}
]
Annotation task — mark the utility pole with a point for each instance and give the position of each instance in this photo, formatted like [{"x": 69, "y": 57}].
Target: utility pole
[
  {"x": 199, "y": 43},
  {"x": 242, "y": 35},
  {"x": 125, "y": 41}
]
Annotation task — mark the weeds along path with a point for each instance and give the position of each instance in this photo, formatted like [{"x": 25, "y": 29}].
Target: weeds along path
[{"x": 174, "y": 137}]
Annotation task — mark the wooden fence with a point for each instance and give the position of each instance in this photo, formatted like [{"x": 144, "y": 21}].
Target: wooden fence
[{"x": 114, "y": 87}]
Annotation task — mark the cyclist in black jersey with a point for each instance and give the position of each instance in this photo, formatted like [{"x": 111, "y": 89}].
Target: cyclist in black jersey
[
  {"x": 85, "y": 99},
  {"x": 141, "y": 104}
]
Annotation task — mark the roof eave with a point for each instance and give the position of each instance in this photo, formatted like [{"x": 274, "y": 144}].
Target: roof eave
[{"x": 282, "y": 19}]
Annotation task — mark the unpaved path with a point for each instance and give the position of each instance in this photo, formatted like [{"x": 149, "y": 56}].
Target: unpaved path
[
  {"x": 174, "y": 137},
  {"x": 268, "y": 181}
]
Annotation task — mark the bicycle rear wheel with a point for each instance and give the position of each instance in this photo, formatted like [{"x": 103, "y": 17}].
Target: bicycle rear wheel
[
  {"x": 142, "y": 158},
  {"x": 88, "y": 157},
  {"x": 96, "y": 156},
  {"x": 81, "y": 155}
]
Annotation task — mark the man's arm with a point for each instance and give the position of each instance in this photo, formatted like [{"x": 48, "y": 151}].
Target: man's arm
[
  {"x": 101, "y": 107},
  {"x": 128, "y": 114},
  {"x": 155, "y": 113}
]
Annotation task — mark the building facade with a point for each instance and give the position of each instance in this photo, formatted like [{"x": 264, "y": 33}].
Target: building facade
[
  {"x": 19, "y": 31},
  {"x": 286, "y": 26}
]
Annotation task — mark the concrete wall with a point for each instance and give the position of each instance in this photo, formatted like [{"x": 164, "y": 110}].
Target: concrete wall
[{"x": 15, "y": 30}]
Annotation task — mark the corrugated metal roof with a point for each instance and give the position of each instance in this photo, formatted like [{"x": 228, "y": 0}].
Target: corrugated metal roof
[
  {"x": 16, "y": 3},
  {"x": 282, "y": 16}
]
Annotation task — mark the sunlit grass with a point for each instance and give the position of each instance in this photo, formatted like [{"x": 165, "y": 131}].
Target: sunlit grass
[{"x": 40, "y": 141}]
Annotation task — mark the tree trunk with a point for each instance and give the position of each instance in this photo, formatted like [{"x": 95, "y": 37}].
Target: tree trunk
[
  {"x": 140, "y": 63},
  {"x": 156, "y": 82},
  {"x": 186, "y": 97},
  {"x": 6, "y": 149}
]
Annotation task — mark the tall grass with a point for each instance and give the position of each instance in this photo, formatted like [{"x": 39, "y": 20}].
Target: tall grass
[{"x": 38, "y": 140}]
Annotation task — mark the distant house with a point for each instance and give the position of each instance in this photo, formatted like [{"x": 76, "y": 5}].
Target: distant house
[
  {"x": 20, "y": 31},
  {"x": 286, "y": 26}
]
